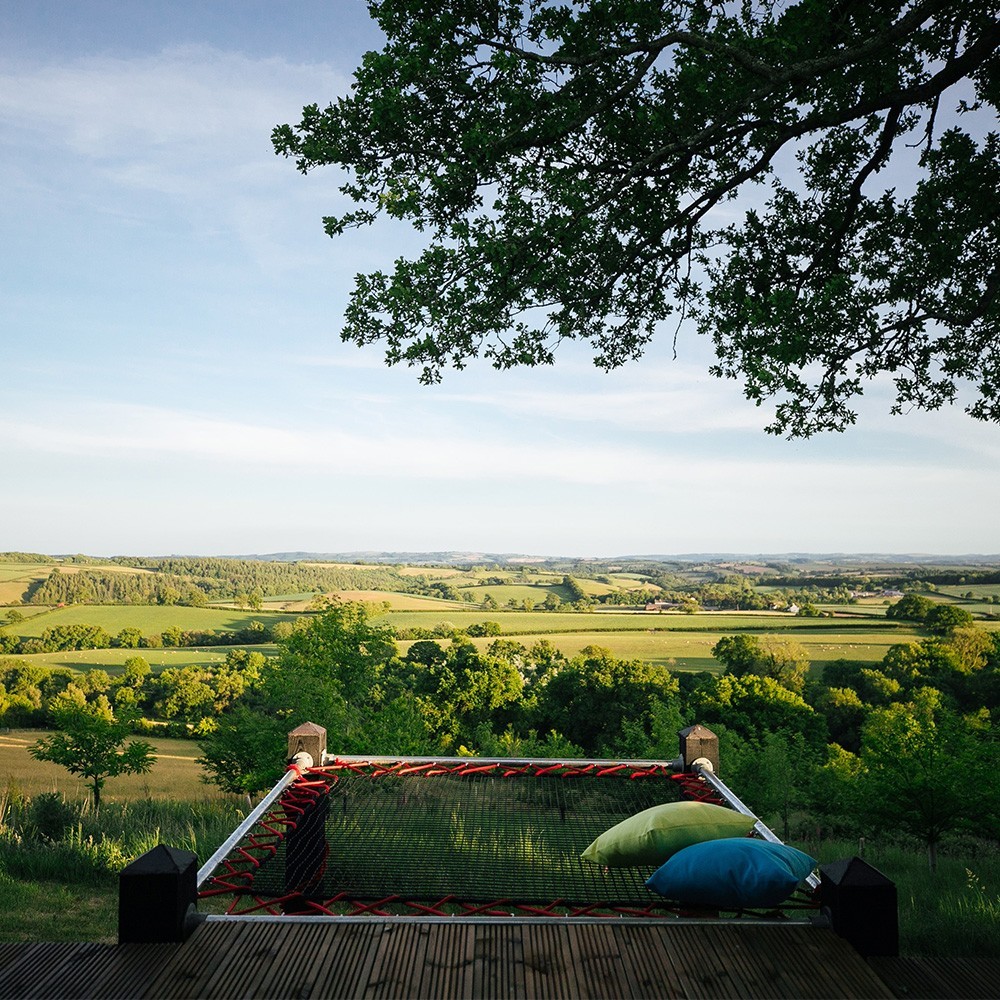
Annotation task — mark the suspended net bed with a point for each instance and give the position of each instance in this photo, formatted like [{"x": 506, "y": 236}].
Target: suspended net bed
[{"x": 457, "y": 837}]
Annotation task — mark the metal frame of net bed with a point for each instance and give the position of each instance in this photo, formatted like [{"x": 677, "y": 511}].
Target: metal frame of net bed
[{"x": 388, "y": 837}]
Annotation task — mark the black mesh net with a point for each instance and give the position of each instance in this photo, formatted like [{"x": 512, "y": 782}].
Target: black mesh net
[{"x": 472, "y": 837}]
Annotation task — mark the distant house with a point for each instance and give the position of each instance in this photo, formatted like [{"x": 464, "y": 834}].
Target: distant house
[{"x": 792, "y": 609}]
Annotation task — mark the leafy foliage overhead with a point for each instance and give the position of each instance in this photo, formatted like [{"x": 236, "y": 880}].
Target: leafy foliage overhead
[{"x": 570, "y": 166}]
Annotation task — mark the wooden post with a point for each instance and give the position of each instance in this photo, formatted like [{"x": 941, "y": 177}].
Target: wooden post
[
  {"x": 861, "y": 904},
  {"x": 157, "y": 894},
  {"x": 698, "y": 745},
  {"x": 305, "y": 845},
  {"x": 307, "y": 739}
]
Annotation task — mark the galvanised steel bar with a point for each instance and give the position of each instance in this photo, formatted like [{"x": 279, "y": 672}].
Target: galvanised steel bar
[
  {"x": 240, "y": 832},
  {"x": 733, "y": 800},
  {"x": 331, "y": 758}
]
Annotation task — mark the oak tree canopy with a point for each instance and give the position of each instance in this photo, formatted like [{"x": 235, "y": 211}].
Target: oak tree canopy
[{"x": 813, "y": 185}]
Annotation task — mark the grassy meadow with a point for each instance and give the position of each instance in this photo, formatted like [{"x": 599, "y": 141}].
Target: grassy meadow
[
  {"x": 519, "y": 592},
  {"x": 150, "y": 619},
  {"x": 953, "y": 911},
  {"x": 724, "y": 622},
  {"x": 63, "y": 886},
  {"x": 175, "y": 775},
  {"x": 535, "y": 592},
  {"x": 66, "y": 889},
  {"x": 692, "y": 651},
  {"x": 113, "y": 660},
  {"x": 396, "y": 601}
]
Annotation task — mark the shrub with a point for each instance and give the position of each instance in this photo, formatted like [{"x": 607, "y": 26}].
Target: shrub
[{"x": 50, "y": 816}]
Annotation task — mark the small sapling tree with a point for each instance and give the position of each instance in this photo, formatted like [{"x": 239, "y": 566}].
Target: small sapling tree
[{"x": 92, "y": 743}]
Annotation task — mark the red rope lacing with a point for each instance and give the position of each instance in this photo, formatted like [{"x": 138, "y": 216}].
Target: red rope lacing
[
  {"x": 696, "y": 789},
  {"x": 237, "y": 871}
]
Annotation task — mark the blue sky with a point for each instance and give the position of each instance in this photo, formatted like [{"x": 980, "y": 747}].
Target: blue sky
[{"x": 174, "y": 382}]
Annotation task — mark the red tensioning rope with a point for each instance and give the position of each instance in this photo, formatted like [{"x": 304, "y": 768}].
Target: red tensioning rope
[
  {"x": 238, "y": 871},
  {"x": 436, "y": 769},
  {"x": 695, "y": 788}
]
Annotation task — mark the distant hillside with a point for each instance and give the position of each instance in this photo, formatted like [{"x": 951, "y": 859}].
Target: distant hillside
[
  {"x": 466, "y": 558},
  {"x": 409, "y": 558}
]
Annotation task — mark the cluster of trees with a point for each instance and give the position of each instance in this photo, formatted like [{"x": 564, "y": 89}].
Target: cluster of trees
[
  {"x": 191, "y": 696},
  {"x": 936, "y": 616},
  {"x": 562, "y": 165},
  {"x": 196, "y": 581},
  {"x": 58, "y": 638},
  {"x": 908, "y": 745},
  {"x": 95, "y": 586},
  {"x": 228, "y": 577},
  {"x": 344, "y": 669}
]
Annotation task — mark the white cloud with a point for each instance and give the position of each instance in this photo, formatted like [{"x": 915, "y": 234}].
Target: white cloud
[
  {"x": 191, "y": 125},
  {"x": 418, "y": 451},
  {"x": 470, "y": 484},
  {"x": 192, "y": 99},
  {"x": 675, "y": 401}
]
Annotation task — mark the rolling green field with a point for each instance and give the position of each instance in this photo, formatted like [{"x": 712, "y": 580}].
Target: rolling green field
[
  {"x": 978, "y": 590},
  {"x": 692, "y": 651},
  {"x": 24, "y": 610},
  {"x": 149, "y": 618},
  {"x": 402, "y": 602},
  {"x": 113, "y": 660},
  {"x": 399, "y": 601},
  {"x": 537, "y": 587},
  {"x": 872, "y": 607},
  {"x": 516, "y": 591},
  {"x": 156, "y": 618},
  {"x": 546, "y": 622},
  {"x": 680, "y": 641},
  {"x": 16, "y": 578}
]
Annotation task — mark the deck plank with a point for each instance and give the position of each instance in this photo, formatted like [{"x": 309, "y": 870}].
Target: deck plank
[
  {"x": 940, "y": 978},
  {"x": 506, "y": 960},
  {"x": 335, "y": 969}
]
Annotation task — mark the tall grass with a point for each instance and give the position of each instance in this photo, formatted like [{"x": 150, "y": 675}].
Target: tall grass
[
  {"x": 953, "y": 911},
  {"x": 85, "y": 845},
  {"x": 59, "y": 858}
]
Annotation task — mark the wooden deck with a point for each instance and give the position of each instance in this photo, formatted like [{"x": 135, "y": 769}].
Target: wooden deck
[
  {"x": 959, "y": 978},
  {"x": 454, "y": 959}
]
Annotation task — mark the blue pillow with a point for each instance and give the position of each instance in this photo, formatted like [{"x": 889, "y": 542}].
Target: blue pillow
[{"x": 733, "y": 873}]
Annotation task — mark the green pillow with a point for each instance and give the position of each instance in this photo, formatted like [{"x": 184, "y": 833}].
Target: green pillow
[{"x": 652, "y": 836}]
